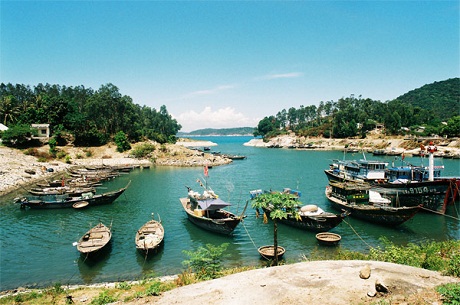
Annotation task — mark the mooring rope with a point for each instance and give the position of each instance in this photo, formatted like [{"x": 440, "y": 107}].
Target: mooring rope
[
  {"x": 249, "y": 235},
  {"x": 436, "y": 212},
  {"x": 370, "y": 247}
]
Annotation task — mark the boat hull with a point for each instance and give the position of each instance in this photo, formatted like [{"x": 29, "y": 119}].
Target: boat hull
[
  {"x": 317, "y": 223},
  {"x": 429, "y": 194},
  {"x": 150, "y": 237},
  {"x": 224, "y": 222},
  {"x": 382, "y": 215},
  {"x": 69, "y": 202}
]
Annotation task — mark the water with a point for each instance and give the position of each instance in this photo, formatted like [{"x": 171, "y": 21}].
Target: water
[{"x": 36, "y": 246}]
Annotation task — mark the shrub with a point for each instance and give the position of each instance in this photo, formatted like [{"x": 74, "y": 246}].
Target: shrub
[
  {"x": 122, "y": 142},
  {"x": 103, "y": 298},
  {"x": 450, "y": 293},
  {"x": 206, "y": 262},
  {"x": 142, "y": 150}
]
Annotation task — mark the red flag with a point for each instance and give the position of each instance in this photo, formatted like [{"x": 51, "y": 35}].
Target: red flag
[{"x": 205, "y": 170}]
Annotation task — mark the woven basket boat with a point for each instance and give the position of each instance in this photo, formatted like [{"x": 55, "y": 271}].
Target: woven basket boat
[
  {"x": 268, "y": 252},
  {"x": 328, "y": 238}
]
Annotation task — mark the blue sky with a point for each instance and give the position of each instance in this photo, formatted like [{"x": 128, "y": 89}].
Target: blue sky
[{"x": 217, "y": 64}]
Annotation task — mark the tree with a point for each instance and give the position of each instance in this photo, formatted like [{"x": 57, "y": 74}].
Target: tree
[
  {"x": 122, "y": 142},
  {"x": 279, "y": 205},
  {"x": 8, "y": 109}
]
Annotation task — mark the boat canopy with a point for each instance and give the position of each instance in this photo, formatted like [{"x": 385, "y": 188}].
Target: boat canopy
[{"x": 212, "y": 204}]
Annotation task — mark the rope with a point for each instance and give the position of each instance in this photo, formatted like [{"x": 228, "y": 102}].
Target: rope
[
  {"x": 435, "y": 212},
  {"x": 249, "y": 235},
  {"x": 370, "y": 247}
]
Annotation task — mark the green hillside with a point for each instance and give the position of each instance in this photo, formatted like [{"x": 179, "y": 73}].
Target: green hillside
[
  {"x": 441, "y": 98},
  {"x": 238, "y": 131}
]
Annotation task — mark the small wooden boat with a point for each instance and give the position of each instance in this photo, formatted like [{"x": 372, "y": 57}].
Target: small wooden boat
[
  {"x": 65, "y": 201},
  {"x": 150, "y": 237},
  {"x": 206, "y": 211},
  {"x": 268, "y": 252},
  {"x": 95, "y": 239},
  {"x": 80, "y": 204},
  {"x": 328, "y": 238}
]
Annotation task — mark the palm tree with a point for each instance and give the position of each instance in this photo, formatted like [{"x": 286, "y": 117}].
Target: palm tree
[
  {"x": 8, "y": 110},
  {"x": 279, "y": 205}
]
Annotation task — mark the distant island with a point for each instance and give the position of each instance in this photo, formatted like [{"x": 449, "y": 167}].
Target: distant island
[{"x": 237, "y": 131}]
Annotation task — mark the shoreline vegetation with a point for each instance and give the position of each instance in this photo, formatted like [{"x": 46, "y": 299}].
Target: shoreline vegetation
[
  {"x": 17, "y": 164},
  {"x": 13, "y": 176}
]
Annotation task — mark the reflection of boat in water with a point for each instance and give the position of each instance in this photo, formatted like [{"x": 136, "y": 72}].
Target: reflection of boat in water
[
  {"x": 91, "y": 268},
  {"x": 354, "y": 198}
]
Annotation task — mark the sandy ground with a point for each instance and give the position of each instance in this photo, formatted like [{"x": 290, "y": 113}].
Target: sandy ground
[{"x": 318, "y": 282}]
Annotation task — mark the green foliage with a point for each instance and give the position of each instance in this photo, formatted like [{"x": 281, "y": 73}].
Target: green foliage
[
  {"x": 154, "y": 289},
  {"x": 453, "y": 127},
  {"x": 122, "y": 142},
  {"x": 92, "y": 117},
  {"x": 52, "y": 144},
  {"x": 123, "y": 286},
  {"x": 103, "y": 298},
  {"x": 142, "y": 150},
  {"x": 280, "y": 204},
  {"x": 18, "y": 135},
  {"x": 206, "y": 262},
  {"x": 243, "y": 131},
  {"x": 450, "y": 293},
  {"x": 353, "y": 116}
]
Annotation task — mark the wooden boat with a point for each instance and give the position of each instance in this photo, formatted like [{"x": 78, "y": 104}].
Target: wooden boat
[
  {"x": 312, "y": 217},
  {"x": 234, "y": 157},
  {"x": 405, "y": 185},
  {"x": 95, "y": 239},
  {"x": 150, "y": 237},
  {"x": 328, "y": 238},
  {"x": 80, "y": 204},
  {"x": 65, "y": 201},
  {"x": 61, "y": 190},
  {"x": 354, "y": 198},
  {"x": 206, "y": 211},
  {"x": 268, "y": 252}
]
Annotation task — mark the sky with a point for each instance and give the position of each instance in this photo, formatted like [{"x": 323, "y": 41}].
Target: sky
[{"x": 224, "y": 64}]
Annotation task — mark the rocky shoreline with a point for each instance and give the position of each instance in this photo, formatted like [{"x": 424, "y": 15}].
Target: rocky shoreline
[{"x": 18, "y": 169}]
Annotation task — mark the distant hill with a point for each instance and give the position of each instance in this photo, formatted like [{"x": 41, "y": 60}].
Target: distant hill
[
  {"x": 238, "y": 131},
  {"x": 442, "y": 98}
]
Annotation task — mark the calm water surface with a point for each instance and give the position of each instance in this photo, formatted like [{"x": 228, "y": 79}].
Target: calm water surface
[{"x": 37, "y": 251}]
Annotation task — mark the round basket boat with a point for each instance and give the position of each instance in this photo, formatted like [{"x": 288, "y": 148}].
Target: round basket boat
[
  {"x": 268, "y": 252},
  {"x": 329, "y": 239},
  {"x": 80, "y": 204}
]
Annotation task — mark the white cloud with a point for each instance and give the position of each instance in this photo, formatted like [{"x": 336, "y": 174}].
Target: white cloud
[
  {"x": 210, "y": 91},
  {"x": 208, "y": 118},
  {"x": 282, "y": 75}
]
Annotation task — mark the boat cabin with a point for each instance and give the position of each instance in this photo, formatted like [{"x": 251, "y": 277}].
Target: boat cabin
[{"x": 351, "y": 193}]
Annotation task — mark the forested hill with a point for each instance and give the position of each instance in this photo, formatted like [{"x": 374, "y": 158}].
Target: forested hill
[
  {"x": 239, "y": 131},
  {"x": 442, "y": 98}
]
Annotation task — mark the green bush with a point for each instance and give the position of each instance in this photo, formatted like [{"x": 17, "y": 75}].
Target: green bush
[
  {"x": 103, "y": 298},
  {"x": 122, "y": 142},
  {"x": 206, "y": 262},
  {"x": 450, "y": 293},
  {"x": 142, "y": 150}
]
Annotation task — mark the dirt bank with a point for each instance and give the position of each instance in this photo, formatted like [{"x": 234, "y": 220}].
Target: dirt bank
[{"x": 314, "y": 283}]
